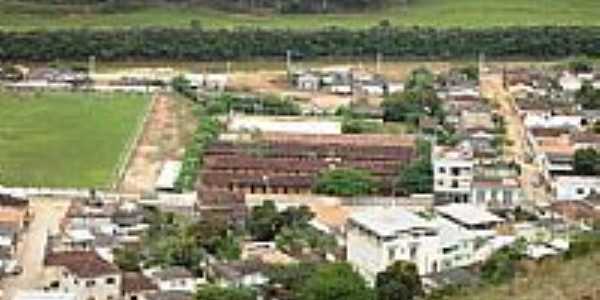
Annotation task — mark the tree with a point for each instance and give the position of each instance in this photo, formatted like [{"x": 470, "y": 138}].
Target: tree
[
  {"x": 502, "y": 265},
  {"x": 224, "y": 293},
  {"x": 420, "y": 79},
  {"x": 588, "y": 97},
  {"x": 411, "y": 104},
  {"x": 587, "y": 162},
  {"x": 417, "y": 177},
  {"x": 334, "y": 282},
  {"x": 128, "y": 259},
  {"x": 264, "y": 221},
  {"x": 291, "y": 277},
  {"x": 399, "y": 281},
  {"x": 345, "y": 183},
  {"x": 296, "y": 239},
  {"x": 580, "y": 65}
]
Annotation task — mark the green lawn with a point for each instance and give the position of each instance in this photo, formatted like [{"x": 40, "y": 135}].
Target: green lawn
[
  {"x": 65, "y": 139},
  {"x": 444, "y": 13}
]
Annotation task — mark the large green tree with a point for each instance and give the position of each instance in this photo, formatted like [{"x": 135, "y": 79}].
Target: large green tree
[
  {"x": 346, "y": 183},
  {"x": 400, "y": 281},
  {"x": 417, "y": 177},
  {"x": 334, "y": 282},
  {"x": 587, "y": 162}
]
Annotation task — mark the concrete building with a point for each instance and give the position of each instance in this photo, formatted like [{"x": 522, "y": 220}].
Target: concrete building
[
  {"x": 575, "y": 187},
  {"x": 453, "y": 173},
  {"x": 377, "y": 238}
]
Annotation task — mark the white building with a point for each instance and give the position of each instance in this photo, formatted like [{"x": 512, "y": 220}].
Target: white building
[
  {"x": 169, "y": 173},
  {"x": 496, "y": 193},
  {"x": 547, "y": 120},
  {"x": 84, "y": 274},
  {"x": 575, "y": 187},
  {"x": 175, "y": 279},
  {"x": 453, "y": 173},
  {"x": 377, "y": 238},
  {"x": 302, "y": 125}
]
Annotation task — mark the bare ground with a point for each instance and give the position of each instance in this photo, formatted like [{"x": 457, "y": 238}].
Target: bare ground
[{"x": 166, "y": 133}]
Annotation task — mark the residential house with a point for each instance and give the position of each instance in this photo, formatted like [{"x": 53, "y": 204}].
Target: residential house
[
  {"x": 178, "y": 279},
  {"x": 575, "y": 187},
  {"x": 84, "y": 274},
  {"x": 308, "y": 82},
  {"x": 136, "y": 286},
  {"x": 246, "y": 273}
]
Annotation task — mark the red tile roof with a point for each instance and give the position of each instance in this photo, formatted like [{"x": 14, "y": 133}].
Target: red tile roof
[
  {"x": 85, "y": 264},
  {"x": 137, "y": 282}
]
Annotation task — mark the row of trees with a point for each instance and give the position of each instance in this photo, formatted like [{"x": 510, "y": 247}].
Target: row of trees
[
  {"x": 200, "y": 44},
  {"x": 282, "y": 6}
]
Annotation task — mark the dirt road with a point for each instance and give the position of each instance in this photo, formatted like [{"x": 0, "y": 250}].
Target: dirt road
[
  {"x": 30, "y": 252},
  {"x": 492, "y": 88},
  {"x": 167, "y": 131}
]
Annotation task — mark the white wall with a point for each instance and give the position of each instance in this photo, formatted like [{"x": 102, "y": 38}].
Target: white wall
[
  {"x": 97, "y": 288},
  {"x": 575, "y": 187}
]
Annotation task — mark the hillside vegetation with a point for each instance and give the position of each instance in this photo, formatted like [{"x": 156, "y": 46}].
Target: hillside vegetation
[
  {"x": 19, "y": 15},
  {"x": 556, "y": 280}
]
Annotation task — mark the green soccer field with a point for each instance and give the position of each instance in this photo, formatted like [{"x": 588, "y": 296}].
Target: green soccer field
[
  {"x": 440, "y": 13},
  {"x": 64, "y": 139}
]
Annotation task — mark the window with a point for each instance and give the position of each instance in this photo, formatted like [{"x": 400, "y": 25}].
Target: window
[
  {"x": 75, "y": 281},
  {"x": 392, "y": 253},
  {"x": 454, "y": 184},
  {"x": 133, "y": 297},
  {"x": 580, "y": 191},
  {"x": 455, "y": 171},
  {"x": 110, "y": 298},
  {"x": 413, "y": 252},
  {"x": 110, "y": 280},
  {"x": 440, "y": 182},
  {"x": 442, "y": 170},
  {"x": 90, "y": 283}
]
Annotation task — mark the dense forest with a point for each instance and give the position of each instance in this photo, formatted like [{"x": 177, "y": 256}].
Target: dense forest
[
  {"x": 282, "y": 6},
  {"x": 398, "y": 42}
]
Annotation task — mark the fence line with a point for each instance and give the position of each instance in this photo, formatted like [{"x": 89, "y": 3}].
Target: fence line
[{"x": 127, "y": 153}]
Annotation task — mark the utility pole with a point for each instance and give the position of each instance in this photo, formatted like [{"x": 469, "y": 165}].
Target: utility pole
[{"x": 91, "y": 65}]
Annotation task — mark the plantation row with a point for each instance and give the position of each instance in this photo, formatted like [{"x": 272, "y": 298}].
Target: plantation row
[{"x": 199, "y": 44}]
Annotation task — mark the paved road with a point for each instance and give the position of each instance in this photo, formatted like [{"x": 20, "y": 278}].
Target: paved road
[
  {"x": 30, "y": 252},
  {"x": 515, "y": 131}
]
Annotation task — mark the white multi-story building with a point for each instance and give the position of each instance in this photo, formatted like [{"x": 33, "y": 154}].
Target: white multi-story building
[
  {"x": 453, "y": 173},
  {"x": 575, "y": 187},
  {"x": 379, "y": 237}
]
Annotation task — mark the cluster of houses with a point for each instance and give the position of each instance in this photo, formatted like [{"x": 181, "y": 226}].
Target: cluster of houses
[
  {"x": 141, "y": 80},
  {"x": 556, "y": 127},
  {"x": 15, "y": 217},
  {"x": 343, "y": 81},
  {"x": 475, "y": 209}
]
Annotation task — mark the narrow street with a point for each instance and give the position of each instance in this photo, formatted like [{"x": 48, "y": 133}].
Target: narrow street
[
  {"x": 30, "y": 251},
  {"x": 533, "y": 191}
]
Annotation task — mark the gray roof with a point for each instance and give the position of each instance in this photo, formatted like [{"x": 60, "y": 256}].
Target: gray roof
[
  {"x": 389, "y": 221},
  {"x": 170, "y": 295},
  {"x": 468, "y": 214},
  {"x": 173, "y": 273}
]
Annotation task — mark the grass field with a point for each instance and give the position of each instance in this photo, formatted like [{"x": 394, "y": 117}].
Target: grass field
[
  {"x": 65, "y": 139},
  {"x": 441, "y": 13}
]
